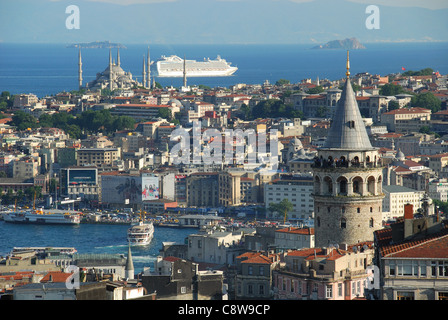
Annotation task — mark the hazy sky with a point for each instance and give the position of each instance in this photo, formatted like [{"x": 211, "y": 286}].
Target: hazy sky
[{"x": 222, "y": 21}]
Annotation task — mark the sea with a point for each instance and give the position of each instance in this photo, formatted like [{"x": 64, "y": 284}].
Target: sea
[
  {"x": 46, "y": 69},
  {"x": 89, "y": 238}
]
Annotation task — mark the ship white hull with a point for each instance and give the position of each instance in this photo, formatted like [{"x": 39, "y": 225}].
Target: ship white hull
[
  {"x": 193, "y": 74},
  {"x": 32, "y": 218},
  {"x": 140, "y": 235},
  {"x": 173, "y": 67}
]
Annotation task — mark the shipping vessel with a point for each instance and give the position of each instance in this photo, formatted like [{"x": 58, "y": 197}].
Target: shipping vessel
[
  {"x": 173, "y": 66},
  {"x": 41, "y": 216}
]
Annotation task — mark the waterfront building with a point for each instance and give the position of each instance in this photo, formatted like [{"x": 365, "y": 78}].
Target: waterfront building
[{"x": 347, "y": 179}]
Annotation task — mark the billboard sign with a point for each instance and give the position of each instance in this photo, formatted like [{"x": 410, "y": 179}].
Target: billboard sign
[
  {"x": 83, "y": 176},
  {"x": 150, "y": 188}
]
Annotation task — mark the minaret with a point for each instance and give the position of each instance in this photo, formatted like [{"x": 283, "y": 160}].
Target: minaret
[
  {"x": 348, "y": 178},
  {"x": 148, "y": 71},
  {"x": 185, "y": 73},
  {"x": 144, "y": 72},
  {"x": 79, "y": 70},
  {"x": 118, "y": 56},
  {"x": 129, "y": 268},
  {"x": 110, "y": 69}
]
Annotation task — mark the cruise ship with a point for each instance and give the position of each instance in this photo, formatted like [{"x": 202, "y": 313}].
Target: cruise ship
[
  {"x": 173, "y": 67},
  {"x": 141, "y": 234},
  {"x": 41, "y": 216}
]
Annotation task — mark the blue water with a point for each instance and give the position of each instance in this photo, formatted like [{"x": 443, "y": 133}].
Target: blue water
[
  {"x": 45, "y": 69},
  {"x": 88, "y": 238}
]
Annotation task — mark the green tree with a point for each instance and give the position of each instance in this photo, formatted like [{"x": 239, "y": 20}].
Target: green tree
[
  {"x": 423, "y": 72},
  {"x": 23, "y": 120},
  {"x": 282, "y": 208},
  {"x": 390, "y": 89},
  {"x": 315, "y": 90},
  {"x": 165, "y": 113},
  {"x": 426, "y": 100},
  {"x": 393, "y": 105},
  {"x": 282, "y": 82}
]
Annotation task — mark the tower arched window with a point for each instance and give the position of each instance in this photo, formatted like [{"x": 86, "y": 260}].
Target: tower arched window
[
  {"x": 343, "y": 223},
  {"x": 371, "y": 223},
  {"x": 318, "y": 221},
  {"x": 342, "y": 185}
]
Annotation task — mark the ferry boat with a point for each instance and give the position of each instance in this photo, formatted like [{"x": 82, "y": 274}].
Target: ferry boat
[
  {"x": 41, "y": 216},
  {"x": 141, "y": 234},
  {"x": 173, "y": 67}
]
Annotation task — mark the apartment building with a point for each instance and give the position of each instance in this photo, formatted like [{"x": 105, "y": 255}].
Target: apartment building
[
  {"x": 395, "y": 199},
  {"x": 412, "y": 258},
  {"x": 297, "y": 189},
  {"x": 97, "y": 156},
  {"x": 324, "y": 273}
]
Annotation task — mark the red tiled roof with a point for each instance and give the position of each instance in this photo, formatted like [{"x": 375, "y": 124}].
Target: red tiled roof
[
  {"x": 407, "y": 111},
  {"x": 307, "y": 231},
  {"x": 56, "y": 276},
  {"x": 433, "y": 246}
]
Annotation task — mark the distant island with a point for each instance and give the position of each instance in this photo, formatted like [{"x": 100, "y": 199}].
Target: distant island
[
  {"x": 348, "y": 44},
  {"x": 96, "y": 45}
]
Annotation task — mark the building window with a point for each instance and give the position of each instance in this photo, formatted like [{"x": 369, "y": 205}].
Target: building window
[
  {"x": 340, "y": 289},
  {"x": 261, "y": 270},
  {"x": 329, "y": 292},
  {"x": 443, "y": 296},
  {"x": 250, "y": 289},
  {"x": 183, "y": 290},
  {"x": 343, "y": 223},
  {"x": 261, "y": 289},
  {"x": 371, "y": 223},
  {"x": 405, "y": 295},
  {"x": 250, "y": 270}
]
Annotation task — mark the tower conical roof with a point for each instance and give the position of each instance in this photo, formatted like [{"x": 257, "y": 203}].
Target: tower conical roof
[
  {"x": 347, "y": 130},
  {"x": 129, "y": 262}
]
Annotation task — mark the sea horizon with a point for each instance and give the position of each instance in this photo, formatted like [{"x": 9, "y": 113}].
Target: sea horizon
[{"x": 46, "y": 69}]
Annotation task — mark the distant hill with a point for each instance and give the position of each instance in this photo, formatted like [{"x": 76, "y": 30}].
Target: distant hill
[
  {"x": 348, "y": 44},
  {"x": 96, "y": 45}
]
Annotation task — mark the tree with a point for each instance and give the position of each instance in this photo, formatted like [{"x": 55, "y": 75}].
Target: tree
[
  {"x": 393, "y": 105},
  {"x": 427, "y": 100},
  {"x": 23, "y": 120},
  {"x": 423, "y": 72},
  {"x": 282, "y": 82},
  {"x": 283, "y": 207},
  {"x": 390, "y": 89},
  {"x": 164, "y": 113},
  {"x": 315, "y": 90},
  {"x": 274, "y": 108}
]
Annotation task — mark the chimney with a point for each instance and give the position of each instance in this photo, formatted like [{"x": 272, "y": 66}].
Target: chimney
[{"x": 408, "y": 220}]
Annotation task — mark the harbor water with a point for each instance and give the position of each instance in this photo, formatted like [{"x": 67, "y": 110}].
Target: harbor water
[{"x": 89, "y": 238}]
